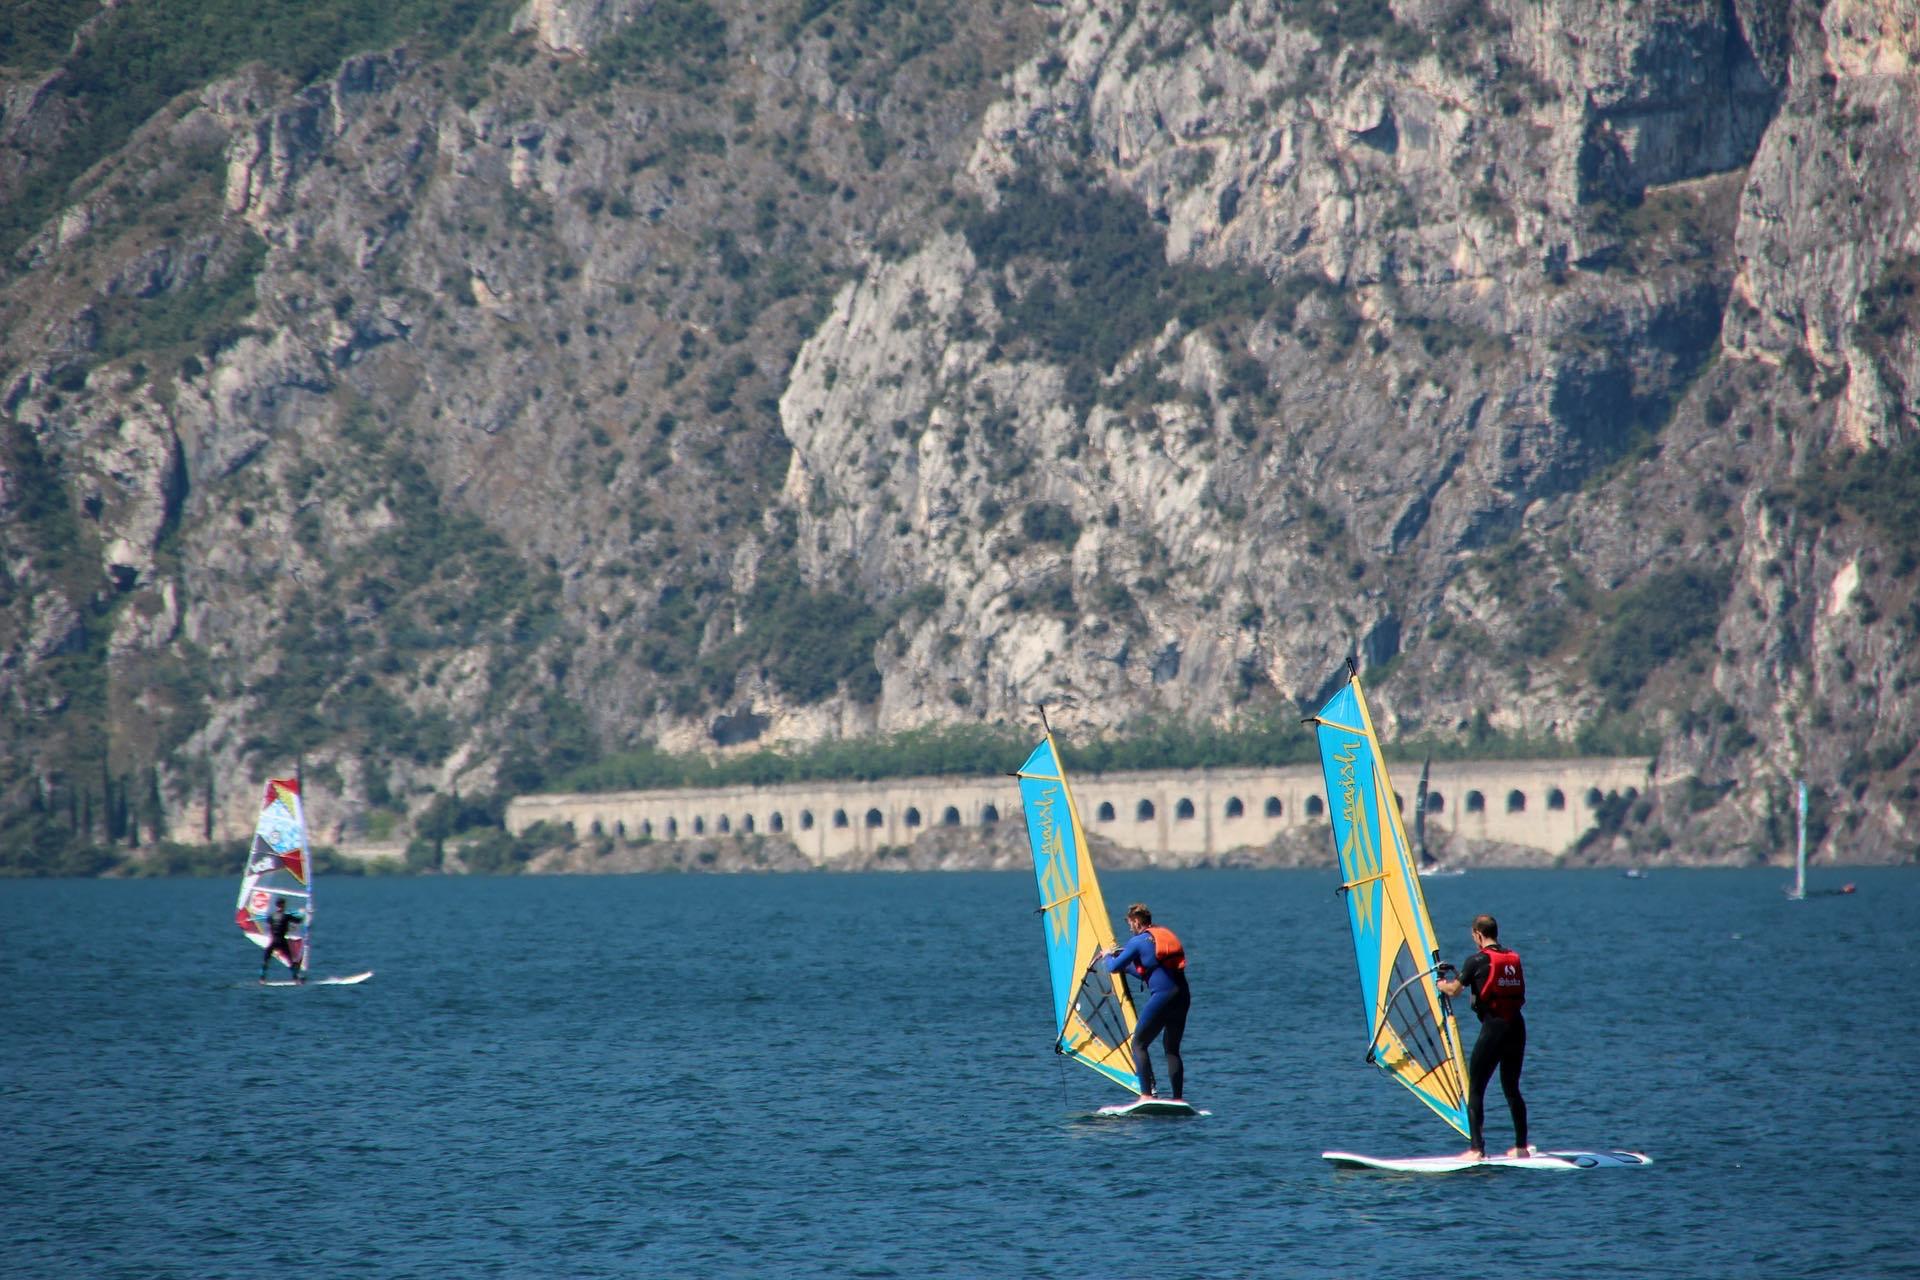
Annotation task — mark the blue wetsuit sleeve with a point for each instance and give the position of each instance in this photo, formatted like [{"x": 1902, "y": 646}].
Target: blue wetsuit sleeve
[{"x": 1138, "y": 951}]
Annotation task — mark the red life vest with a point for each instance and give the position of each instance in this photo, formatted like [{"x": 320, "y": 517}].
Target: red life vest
[
  {"x": 1505, "y": 989},
  {"x": 1167, "y": 951}
]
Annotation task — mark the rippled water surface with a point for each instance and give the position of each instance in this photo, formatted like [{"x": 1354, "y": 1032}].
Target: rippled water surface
[{"x": 851, "y": 1075}]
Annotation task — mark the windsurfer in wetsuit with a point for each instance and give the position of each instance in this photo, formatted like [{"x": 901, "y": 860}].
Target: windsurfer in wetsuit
[
  {"x": 278, "y": 922},
  {"x": 1156, "y": 955},
  {"x": 1493, "y": 974}
]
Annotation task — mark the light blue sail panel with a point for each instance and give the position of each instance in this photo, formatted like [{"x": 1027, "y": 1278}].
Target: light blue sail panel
[
  {"x": 1056, "y": 865},
  {"x": 1346, "y": 763},
  {"x": 1413, "y": 1036}
]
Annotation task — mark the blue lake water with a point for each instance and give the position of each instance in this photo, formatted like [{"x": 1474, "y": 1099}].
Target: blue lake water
[{"x": 852, "y": 1076}]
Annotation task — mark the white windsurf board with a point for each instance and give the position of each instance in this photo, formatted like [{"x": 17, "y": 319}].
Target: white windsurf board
[
  {"x": 1153, "y": 1107},
  {"x": 352, "y": 979},
  {"x": 1555, "y": 1160}
]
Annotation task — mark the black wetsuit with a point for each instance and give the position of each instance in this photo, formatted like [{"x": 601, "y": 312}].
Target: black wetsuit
[
  {"x": 278, "y": 922},
  {"x": 1502, "y": 1044}
]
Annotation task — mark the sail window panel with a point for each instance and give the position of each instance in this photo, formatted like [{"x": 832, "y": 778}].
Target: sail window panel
[
  {"x": 1099, "y": 1012},
  {"x": 1411, "y": 1017}
]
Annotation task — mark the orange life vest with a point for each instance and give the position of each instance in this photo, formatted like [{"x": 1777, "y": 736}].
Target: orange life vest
[{"x": 1167, "y": 951}]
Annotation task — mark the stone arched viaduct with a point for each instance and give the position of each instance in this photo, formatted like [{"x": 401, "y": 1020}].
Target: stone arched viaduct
[{"x": 1176, "y": 816}]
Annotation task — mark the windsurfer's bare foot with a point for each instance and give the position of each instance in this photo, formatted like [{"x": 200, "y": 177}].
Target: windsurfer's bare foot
[
  {"x": 1471, "y": 1154},
  {"x": 1515, "y": 1153}
]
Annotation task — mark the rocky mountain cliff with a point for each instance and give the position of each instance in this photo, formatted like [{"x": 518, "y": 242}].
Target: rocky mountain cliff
[{"x": 449, "y": 406}]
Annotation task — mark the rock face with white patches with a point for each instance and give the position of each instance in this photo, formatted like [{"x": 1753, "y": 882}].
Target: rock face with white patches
[{"x": 1146, "y": 360}]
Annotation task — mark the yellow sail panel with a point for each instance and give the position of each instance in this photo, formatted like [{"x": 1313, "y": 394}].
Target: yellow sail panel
[
  {"x": 1093, "y": 1011},
  {"x": 1413, "y": 1036}
]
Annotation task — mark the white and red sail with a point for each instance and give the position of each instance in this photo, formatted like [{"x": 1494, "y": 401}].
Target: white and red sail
[{"x": 278, "y": 866}]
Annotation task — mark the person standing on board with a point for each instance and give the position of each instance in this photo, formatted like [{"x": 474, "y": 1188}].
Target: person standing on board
[
  {"x": 1493, "y": 974},
  {"x": 1157, "y": 957},
  {"x": 278, "y": 922}
]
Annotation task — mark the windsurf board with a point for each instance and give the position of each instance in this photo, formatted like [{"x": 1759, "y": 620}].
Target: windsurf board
[
  {"x": 1153, "y": 1107},
  {"x": 352, "y": 979},
  {"x": 1555, "y": 1160}
]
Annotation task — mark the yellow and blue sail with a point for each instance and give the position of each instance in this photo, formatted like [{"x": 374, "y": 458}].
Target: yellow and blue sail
[
  {"x": 1413, "y": 1035},
  {"x": 1092, "y": 1010}
]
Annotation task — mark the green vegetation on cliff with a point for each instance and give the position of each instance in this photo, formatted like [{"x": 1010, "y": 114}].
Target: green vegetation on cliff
[
  {"x": 983, "y": 750},
  {"x": 1095, "y": 279},
  {"x": 140, "y": 56}
]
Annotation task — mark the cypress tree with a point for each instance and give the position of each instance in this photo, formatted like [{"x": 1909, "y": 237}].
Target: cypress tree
[
  {"x": 156, "y": 813},
  {"x": 110, "y": 813}
]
